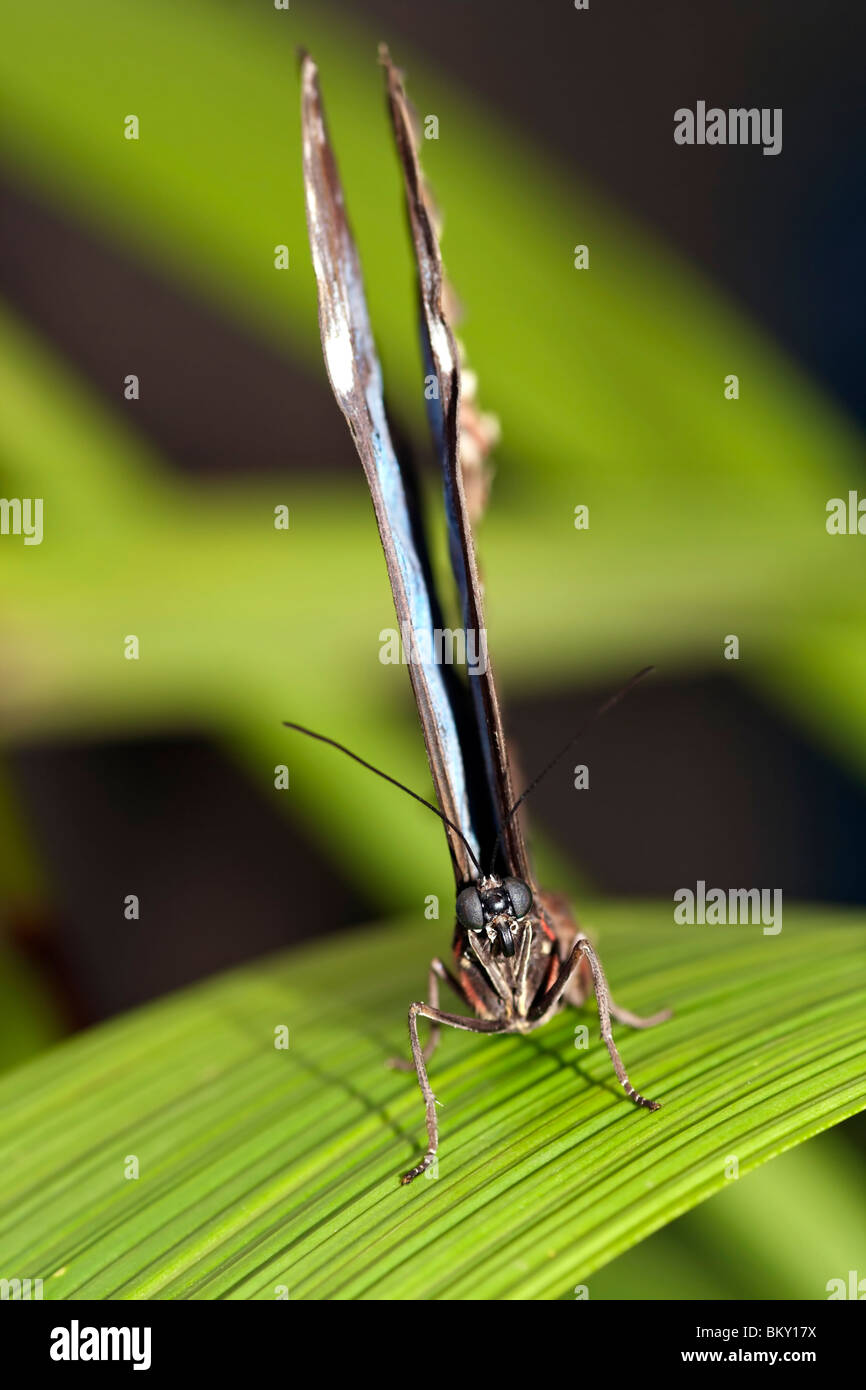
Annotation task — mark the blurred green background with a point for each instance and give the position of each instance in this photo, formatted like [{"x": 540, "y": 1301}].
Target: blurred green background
[{"x": 156, "y": 257}]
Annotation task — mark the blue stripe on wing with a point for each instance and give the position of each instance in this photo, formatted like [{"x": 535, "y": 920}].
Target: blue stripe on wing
[
  {"x": 441, "y": 357},
  {"x": 356, "y": 379}
]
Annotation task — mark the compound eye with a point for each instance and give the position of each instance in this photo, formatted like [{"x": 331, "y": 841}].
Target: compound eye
[
  {"x": 519, "y": 895},
  {"x": 470, "y": 913}
]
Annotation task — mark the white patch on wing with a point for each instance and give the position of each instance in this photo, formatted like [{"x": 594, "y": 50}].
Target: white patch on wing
[
  {"x": 440, "y": 345},
  {"x": 341, "y": 363}
]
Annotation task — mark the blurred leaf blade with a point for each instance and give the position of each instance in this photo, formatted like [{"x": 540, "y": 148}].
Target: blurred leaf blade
[{"x": 262, "y": 1168}]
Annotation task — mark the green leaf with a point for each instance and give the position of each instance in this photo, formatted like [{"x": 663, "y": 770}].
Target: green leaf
[
  {"x": 261, "y": 1167},
  {"x": 758, "y": 1251}
]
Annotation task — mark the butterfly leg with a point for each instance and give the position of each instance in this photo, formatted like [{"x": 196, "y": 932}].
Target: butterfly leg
[
  {"x": 436, "y": 1016},
  {"x": 583, "y": 949},
  {"x": 580, "y": 987},
  {"x": 438, "y": 972}
]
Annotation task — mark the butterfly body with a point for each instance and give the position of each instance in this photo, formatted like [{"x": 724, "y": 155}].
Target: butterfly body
[
  {"x": 518, "y": 956},
  {"x": 508, "y": 988}
]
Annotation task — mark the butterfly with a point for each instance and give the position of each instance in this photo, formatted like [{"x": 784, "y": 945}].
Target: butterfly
[{"x": 518, "y": 955}]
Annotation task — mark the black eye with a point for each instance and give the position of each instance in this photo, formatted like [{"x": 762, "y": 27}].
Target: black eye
[
  {"x": 469, "y": 910},
  {"x": 519, "y": 894}
]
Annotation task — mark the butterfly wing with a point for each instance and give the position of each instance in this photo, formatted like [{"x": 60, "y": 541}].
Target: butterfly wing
[
  {"x": 442, "y": 358},
  {"x": 355, "y": 376}
]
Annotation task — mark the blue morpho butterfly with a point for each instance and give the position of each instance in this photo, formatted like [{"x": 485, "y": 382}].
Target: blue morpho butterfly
[{"x": 518, "y": 955}]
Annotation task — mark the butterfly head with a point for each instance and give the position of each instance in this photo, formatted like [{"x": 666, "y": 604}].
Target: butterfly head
[{"x": 492, "y": 906}]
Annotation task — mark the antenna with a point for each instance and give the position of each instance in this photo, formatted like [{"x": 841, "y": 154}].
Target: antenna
[
  {"x": 602, "y": 709},
  {"x": 299, "y": 728}
]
